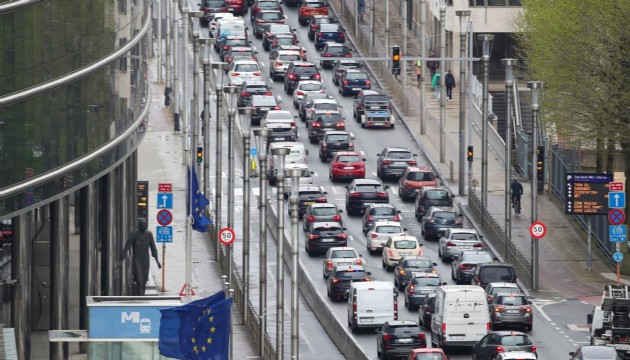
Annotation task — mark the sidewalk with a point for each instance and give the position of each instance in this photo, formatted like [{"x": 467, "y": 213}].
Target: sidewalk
[{"x": 562, "y": 265}]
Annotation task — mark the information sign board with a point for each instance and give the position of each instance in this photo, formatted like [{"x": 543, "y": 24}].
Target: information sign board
[
  {"x": 164, "y": 234},
  {"x": 587, "y": 194}
]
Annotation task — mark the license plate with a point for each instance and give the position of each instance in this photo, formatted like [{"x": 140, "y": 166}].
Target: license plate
[
  {"x": 344, "y": 263},
  {"x": 348, "y": 167},
  {"x": 405, "y": 341},
  {"x": 367, "y": 320},
  {"x": 266, "y": 109},
  {"x": 309, "y": 202},
  {"x": 465, "y": 247},
  {"x": 327, "y": 240},
  {"x": 401, "y": 162},
  {"x": 374, "y": 107},
  {"x": 512, "y": 311},
  {"x": 457, "y": 337},
  {"x": 305, "y": 77},
  {"x": 356, "y": 89}
]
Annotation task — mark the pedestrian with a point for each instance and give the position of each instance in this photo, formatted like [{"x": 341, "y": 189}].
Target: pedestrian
[
  {"x": 361, "y": 9},
  {"x": 141, "y": 242},
  {"x": 436, "y": 85},
  {"x": 449, "y": 82},
  {"x": 418, "y": 68},
  {"x": 432, "y": 64}
]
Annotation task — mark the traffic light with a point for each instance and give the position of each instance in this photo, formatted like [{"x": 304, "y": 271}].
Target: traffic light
[
  {"x": 469, "y": 153},
  {"x": 199, "y": 154},
  {"x": 396, "y": 60},
  {"x": 540, "y": 165}
]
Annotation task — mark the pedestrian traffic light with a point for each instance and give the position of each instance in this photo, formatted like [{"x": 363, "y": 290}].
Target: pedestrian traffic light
[
  {"x": 396, "y": 60},
  {"x": 540, "y": 165},
  {"x": 199, "y": 154},
  {"x": 469, "y": 153}
]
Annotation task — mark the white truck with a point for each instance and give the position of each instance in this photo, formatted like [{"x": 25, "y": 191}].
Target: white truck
[
  {"x": 609, "y": 323},
  {"x": 371, "y": 304}
]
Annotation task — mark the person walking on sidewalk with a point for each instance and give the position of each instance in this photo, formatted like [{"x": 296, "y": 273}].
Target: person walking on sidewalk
[
  {"x": 449, "y": 82},
  {"x": 432, "y": 64},
  {"x": 435, "y": 84},
  {"x": 418, "y": 68},
  {"x": 361, "y": 9}
]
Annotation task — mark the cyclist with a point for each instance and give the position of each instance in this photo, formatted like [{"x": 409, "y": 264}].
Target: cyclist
[{"x": 517, "y": 191}]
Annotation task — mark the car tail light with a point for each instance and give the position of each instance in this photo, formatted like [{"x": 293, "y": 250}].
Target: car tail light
[
  {"x": 464, "y": 266},
  {"x": 342, "y": 236},
  {"x": 316, "y": 77},
  {"x": 348, "y": 55},
  {"x": 500, "y": 349},
  {"x": 278, "y": 64},
  {"x": 236, "y": 74},
  {"x": 387, "y": 161},
  {"x": 354, "y": 194},
  {"x": 299, "y": 93},
  {"x": 412, "y": 289},
  {"x": 313, "y": 237},
  {"x": 444, "y": 329},
  {"x": 329, "y": 264},
  {"x": 396, "y": 217},
  {"x": 533, "y": 348},
  {"x": 421, "y": 336},
  {"x": 499, "y": 308},
  {"x": 432, "y": 221},
  {"x": 374, "y": 236},
  {"x": 334, "y": 281},
  {"x": 359, "y": 262},
  {"x": 328, "y": 55},
  {"x": 313, "y": 26},
  {"x": 526, "y": 309},
  {"x": 488, "y": 326},
  {"x": 316, "y": 124},
  {"x": 229, "y": 59},
  {"x": 245, "y": 94},
  {"x": 336, "y": 218},
  {"x": 292, "y": 76},
  {"x": 311, "y": 218},
  {"x": 340, "y": 124},
  {"x": 324, "y": 145},
  {"x": 390, "y": 252},
  {"x": 256, "y": 9},
  {"x": 293, "y": 123},
  {"x": 268, "y": 93},
  {"x": 411, "y": 162},
  {"x": 478, "y": 245},
  {"x": 381, "y": 194},
  {"x": 257, "y": 73},
  {"x": 367, "y": 82},
  {"x": 402, "y": 272},
  {"x": 395, "y": 308},
  {"x": 321, "y": 200},
  {"x": 450, "y": 243},
  {"x": 225, "y": 47},
  {"x": 342, "y": 35},
  {"x": 320, "y": 35},
  {"x": 387, "y": 337},
  {"x": 459, "y": 220},
  {"x": 277, "y": 108},
  {"x": 370, "y": 217},
  {"x": 346, "y": 82}
]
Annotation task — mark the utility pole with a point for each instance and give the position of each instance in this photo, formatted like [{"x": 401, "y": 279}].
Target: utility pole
[
  {"x": 463, "y": 22},
  {"x": 509, "y": 82},
  {"x": 294, "y": 200},
  {"x": 535, "y": 87},
  {"x": 423, "y": 53},
  {"x": 442, "y": 87}
]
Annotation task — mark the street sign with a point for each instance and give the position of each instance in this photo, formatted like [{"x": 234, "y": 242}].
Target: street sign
[
  {"x": 142, "y": 199},
  {"x": 226, "y": 236},
  {"x": 538, "y": 230},
  {"x": 164, "y": 217},
  {"x": 586, "y": 193},
  {"x": 618, "y": 257},
  {"x": 617, "y": 200},
  {"x": 164, "y": 201},
  {"x": 617, "y": 233},
  {"x": 164, "y": 234},
  {"x": 253, "y": 151},
  {"x": 165, "y": 188},
  {"x": 615, "y": 186},
  {"x": 616, "y": 216}
]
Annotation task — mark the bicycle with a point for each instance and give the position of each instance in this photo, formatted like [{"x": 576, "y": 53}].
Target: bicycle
[{"x": 516, "y": 205}]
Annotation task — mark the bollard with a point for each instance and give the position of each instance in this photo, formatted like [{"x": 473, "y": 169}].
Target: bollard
[
  {"x": 176, "y": 127},
  {"x": 452, "y": 172}
]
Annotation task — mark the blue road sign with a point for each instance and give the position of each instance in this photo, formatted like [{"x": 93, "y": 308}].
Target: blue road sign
[
  {"x": 616, "y": 200},
  {"x": 164, "y": 201},
  {"x": 617, "y": 233},
  {"x": 253, "y": 151},
  {"x": 618, "y": 257},
  {"x": 164, "y": 234}
]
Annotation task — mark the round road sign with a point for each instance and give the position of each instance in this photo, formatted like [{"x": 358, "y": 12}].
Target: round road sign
[
  {"x": 164, "y": 217},
  {"x": 538, "y": 230},
  {"x": 616, "y": 216},
  {"x": 618, "y": 257},
  {"x": 226, "y": 236}
]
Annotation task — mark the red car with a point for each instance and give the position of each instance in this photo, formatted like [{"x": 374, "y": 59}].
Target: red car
[
  {"x": 414, "y": 178},
  {"x": 347, "y": 165},
  {"x": 427, "y": 354},
  {"x": 311, "y": 8},
  {"x": 239, "y": 7}
]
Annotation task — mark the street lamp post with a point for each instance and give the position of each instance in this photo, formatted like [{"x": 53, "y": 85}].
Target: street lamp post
[
  {"x": 281, "y": 153},
  {"x": 205, "y": 42},
  {"x": 487, "y": 41},
  {"x": 194, "y": 118},
  {"x": 423, "y": 54},
  {"x": 230, "y": 92},
  {"x": 245, "y": 128},
  {"x": 442, "y": 87},
  {"x": 218, "y": 180},
  {"x": 261, "y": 139},
  {"x": 535, "y": 87},
  {"x": 294, "y": 199},
  {"x": 463, "y": 15},
  {"x": 509, "y": 82},
  {"x": 186, "y": 102}
]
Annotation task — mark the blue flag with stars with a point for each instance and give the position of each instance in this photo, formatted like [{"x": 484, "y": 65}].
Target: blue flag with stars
[
  {"x": 199, "y": 220},
  {"x": 196, "y": 330}
]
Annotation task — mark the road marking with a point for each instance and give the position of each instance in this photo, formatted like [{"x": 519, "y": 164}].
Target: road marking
[
  {"x": 362, "y": 153},
  {"x": 373, "y": 173},
  {"x": 315, "y": 174},
  {"x": 575, "y": 327},
  {"x": 542, "y": 312}
]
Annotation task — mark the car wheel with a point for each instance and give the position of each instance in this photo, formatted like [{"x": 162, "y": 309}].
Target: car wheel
[
  {"x": 435, "y": 343},
  {"x": 378, "y": 351},
  {"x": 474, "y": 356},
  {"x": 453, "y": 276},
  {"x": 311, "y": 140},
  {"x": 324, "y": 275},
  {"x": 528, "y": 328},
  {"x": 383, "y": 264},
  {"x": 310, "y": 253}
]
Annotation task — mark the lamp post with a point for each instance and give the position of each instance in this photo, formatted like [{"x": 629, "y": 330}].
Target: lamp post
[
  {"x": 442, "y": 87},
  {"x": 509, "y": 82},
  {"x": 218, "y": 180},
  {"x": 205, "y": 45},
  {"x": 294, "y": 200},
  {"x": 245, "y": 128},
  {"x": 463, "y": 15},
  {"x": 167, "y": 44},
  {"x": 194, "y": 118},
  {"x": 230, "y": 92},
  {"x": 261, "y": 139},
  {"x": 158, "y": 3},
  {"x": 487, "y": 42},
  {"x": 280, "y": 153},
  {"x": 403, "y": 65},
  {"x": 186, "y": 102},
  {"x": 535, "y": 87},
  {"x": 423, "y": 54}
]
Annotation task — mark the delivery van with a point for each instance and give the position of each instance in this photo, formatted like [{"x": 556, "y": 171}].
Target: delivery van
[
  {"x": 297, "y": 155},
  {"x": 371, "y": 304},
  {"x": 461, "y": 316},
  {"x": 230, "y": 27}
]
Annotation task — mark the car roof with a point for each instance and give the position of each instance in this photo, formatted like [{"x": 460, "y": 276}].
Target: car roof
[
  {"x": 366, "y": 182},
  {"x": 303, "y": 63},
  {"x": 419, "y": 169},
  {"x": 382, "y": 205},
  {"x": 279, "y": 112},
  {"x": 396, "y": 148},
  {"x": 334, "y": 44},
  {"x": 442, "y": 209},
  {"x": 246, "y": 62},
  {"x": 354, "y": 71},
  {"x": 424, "y": 274},
  {"x": 496, "y": 264},
  {"x": 342, "y": 248},
  {"x": 370, "y": 92},
  {"x": 509, "y": 333},
  {"x": 416, "y": 257},
  {"x": 288, "y": 52},
  {"x": 254, "y": 82},
  {"x": 337, "y": 132},
  {"x": 233, "y": 38},
  {"x": 241, "y": 48},
  {"x": 302, "y": 82},
  {"x": 475, "y": 252},
  {"x": 404, "y": 237},
  {"x": 502, "y": 284},
  {"x": 323, "y": 100},
  {"x": 353, "y": 153},
  {"x": 310, "y": 188},
  {"x": 464, "y": 231}
]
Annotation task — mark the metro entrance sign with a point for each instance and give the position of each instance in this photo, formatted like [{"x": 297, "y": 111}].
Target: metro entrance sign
[{"x": 587, "y": 194}]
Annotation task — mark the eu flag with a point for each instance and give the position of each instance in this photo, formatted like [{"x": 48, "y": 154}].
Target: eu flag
[
  {"x": 182, "y": 326},
  {"x": 200, "y": 221}
]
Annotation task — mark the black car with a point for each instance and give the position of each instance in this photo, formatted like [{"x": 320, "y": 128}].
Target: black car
[
  {"x": 324, "y": 121},
  {"x": 333, "y": 50},
  {"x": 392, "y": 161},
  {"x": 432, "y": 196},
  {"x": 438, "y": 219},
  {"x": 281, "y": 132},
  {"x": 261, "y": 104},
  {"x": 420, "y": 286},
  {"x": 313, "y": 24},
  {"x": 409, "y": 264},
  {"x": 379, "y": 212},
  {"x": 239, "y": 52},
  {"x": 323, "y": 235},
  {"x": 370, "y": 100},
  {"x": 299, "y": 70},
  {"x": 250, "y": 88},
  {"x": 277, "y": 29},
  {"x": 493, "y": 272},
  {"x": 594, "y": 352},
  {"x": 397, "y": 338},
  {"x": 334, "y": 141},
  {"x": 341, "y": 65},
  {"x": 501, "y": 341},
  {"x": 227, "y": 42},
  {"x": 362, "y": 192},
  {"x": 308, "y": 195},
  {"x": 209, "y": 7},
  {"x": 264, "y": 18},
  {"x": 329, "y": 33},
  {"x": 463, "y": 266},
  {"x": 338, "y": 282},
  {"x": 352, "y": 81},
  {"x": 427, "y": 308},
  {"x": 261, "y": 5}
]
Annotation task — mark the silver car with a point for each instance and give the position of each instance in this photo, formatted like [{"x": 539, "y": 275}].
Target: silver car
[
  {"x": 380, "y": 232},
  {"x": 279, "y": 62},
  {"x": 340, "y": 256},
  {"x": 455, "y": 241},
  {"x": 325, "y": 212}
]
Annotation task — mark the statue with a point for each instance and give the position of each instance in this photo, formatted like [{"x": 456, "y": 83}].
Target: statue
[{"x": 141, "y": 242}]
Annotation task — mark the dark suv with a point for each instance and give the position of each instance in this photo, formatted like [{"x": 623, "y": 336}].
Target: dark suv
[
  {"x": 334, "y": 141},
  {"x": 329, "y": 33},
  {"x": 262, "y": 104},
  {"x": 463, "y": 266},
  {"x": 323, "y": 121},
  {"x": 493, "y": 272},
  {"x": 362, "y": 192},
  {"x": 323, "y": 235},
  {"x": 299, "y": 70},
  {"x": 393, "y": 161},
  {"x": 432, "y": 196},
  {"x": 397, "y": 338},
  {"x": 249, "y": 88},
  {"x": 338, "y": 283},
  {"x": 352, "y": 81}
]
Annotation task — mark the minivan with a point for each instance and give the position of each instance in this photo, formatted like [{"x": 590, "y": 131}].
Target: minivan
[
  {"x": 493, "y": 272},
  {"x": 460, "y": 317},
  {"x": 297, "y": 155},
  {"x": 371, "y": 304},
  {"x": 230, "y": 27}
]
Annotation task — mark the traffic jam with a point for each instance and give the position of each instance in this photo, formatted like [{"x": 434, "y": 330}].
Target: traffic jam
[{"x": 399, "y": 263}]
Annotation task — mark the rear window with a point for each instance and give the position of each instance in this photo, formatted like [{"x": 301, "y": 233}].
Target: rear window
[
  {"x": 264, "y": 101},
  {"x": 358, "y": 274},
  {"x": 311, "y": 87},
  {"x": 499, "y": 290},
  {"x": 376, "y": 98},
  {"x": 246, "y": 68},
  {"x": 429, "y": 356},
  {"x": 337, "y": 50},
  {"x": 288, "y": 57},
  {"x": 310, "y": 192},
  {"x": 337, "y": 138},
  {"x": 285, "y": 41},
  {"x": 329, "y": 28},
  {"x": 426, "y": 281},
  {"x": 515, "y": 340},
  {"x": 357, "y": 76},
  {"x": 325, "y": 106},
  {"x": 497, "y": 274},
  {"x": 446, "y": 215},
  {"x": 236, "y": 42},
  {"x": 367, "y": 188},
  {"x": 324, "y": 211},
  {"x": 305, "y": 70},
  {"x": 477, "y": 258},
  {"x": 281, "y": 129},
  {"x": 417, "y": 263},
  {"x": 328, "y": 230},
  {"x": 332, "y": 118},
  {"x": 348, "y": 158},
  {"x": 405, "y": 244},
  {"x": 511, "y": 300},
  {"x": 383, "y": 211},
  {"x": 345, "y": 254},
  {"x": 464, "y": 236},
  {"x": 399, "y": 155},
  {"x": 256, "y": 88},
  {"x": 389, "y": 230},
  {"x": 214, "y": 3},
  {"x": 405, "y": 329},
  {"x": 270, "y": 16},
  {"x": 437, "y": 195},
  {"x": 279, "y": 29},
  {"x": 314, "y": 5},
  {"x": 420, "y": 176}
]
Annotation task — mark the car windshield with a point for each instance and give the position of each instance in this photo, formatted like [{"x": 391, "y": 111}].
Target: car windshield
[
  {"x": 336, "y": 138},
  {"x": 279, "y": 29},
  {"x": 358, "y": 274},
  {"x": 405, "y": 244},
  {"x": 511, "y": 300},
  {"x": 477, "y": 258},
  {"x": 270, "y": 16},
  {"x": 236, "y": 42},
  {"x": 357, "y": 76},
  {"x": 417, "y": 264},
  {"x": 498, "y": 274},
  {"x": 383, "y": 211},
  {"x": 426, "y": 281},
  {"x": 246, "y": 68},
  {"x": 325, "y": 106},
  {"x": 348, "y": 158},
  {"x": 311, "y": 87},
  {"x": 420, "y": 176},
  {"x": 399, "y": 155},
  {"x": 324, "y": 211},
  {"x": 264, "y": 101},
  {"x": 438, "y": 195},
  {"x": 329, "y": 28},
  {"x": 515, "y": 340},
  {"x": 386, "y": 229},
  {"x": 446, "y": 215},
  {"x": 464, "y": 236},
  {"x": 268, "y": 4},
  {"x": 288, "y": 57},
  {"x": 345, "y": 254},
  {"x": 285, "y": 41},
  {"x": 256, "y": 88},
  {"x": 332, "y": 118},
  {"x": 336, "y": 50}
]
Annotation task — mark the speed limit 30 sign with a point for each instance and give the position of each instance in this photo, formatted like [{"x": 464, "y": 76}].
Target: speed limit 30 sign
[
  {"x": 226, "y": 236},
  {"x": 538, "y": 230}
]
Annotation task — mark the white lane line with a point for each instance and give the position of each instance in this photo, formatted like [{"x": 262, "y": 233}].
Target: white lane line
[
  {"x": 315, "y": 174},
  {"x": 362, "y": 153},
  {"x": 373, "y": 173},
  {"x": 542, "y": 312}
]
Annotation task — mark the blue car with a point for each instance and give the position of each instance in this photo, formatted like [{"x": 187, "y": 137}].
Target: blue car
[
  {"x": 329, "y": 33},
  {"x": 353, "y": 81}
]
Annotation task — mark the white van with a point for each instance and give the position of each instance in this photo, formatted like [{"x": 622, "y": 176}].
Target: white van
[
  {"x": 230, "y": 27},
  {"x": 297, "y": 155},
  {"x": 461, "y": 316},
  {"x": 371, "y": 304}
]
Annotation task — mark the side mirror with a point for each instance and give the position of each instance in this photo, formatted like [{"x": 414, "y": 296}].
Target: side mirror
[
  {"x": 378, "y": 154},
  {"x": 347, "y": 187},
  {"x": 443, "y": 283},
  {"x": 345, "y": 228},
  {"x": 572, "y": 353},
  {"x": 490, "y": 299},
  {"x": 325, "y": 192},
  {"x": 386, "y": 187},
  {"x": 452, "y": 196},
  {"x": 589, "y": 319},
  {"x": 415, "y": 154},
  {"x": 404, "y": 229},
  {"x": 383, "y": 244},
  {"x": 360, "y": 255},
  {"x": 340, "y": 211},
  {"x": 460, "y": 215},
  {"x": 364, "y": 159},
  {"x": 398, "y": 211},
  {"x": 306, "y": 151}
]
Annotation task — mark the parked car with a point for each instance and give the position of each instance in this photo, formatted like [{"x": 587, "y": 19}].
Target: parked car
[
  {"x": 379, "y": 212},
  {"x": 333, "y": 50},
  {"x": 493, "y": 272},
  {"x": 316, "y": 21},
  {"x": 414, "y": 178},
  {"x": 420, "y": 286},
  {"x": 352, "y": 81},
  {"x": 398, "y": 338},
  {"x": 398, "y": 246},
  {"x": 346, "y": 165},
  {"x": 409, "y": 264},
  {"x": 323, "y": 235},
  {"x": 454, "y": 241},
  {"x": 299, "y": 70},
  {"x": 305, "y": 87},
  {"x": 463, "y": 265},
  {"x": 311, "y": 8},
  {"x": 380, "y": 233},
  {"x": 392, "y": 161},
  {"x": 250, "y": 88},
  {"x": 324, "y": 121},
  {"x": 329, "y": 33},
  {"x": 321, "y": 212},
  {"x": 362, "y": 192},
  {"x": 511, "y": 310},
  {"x": 333, "y": 142},
  {"x": 342, "y": 65},
  {"x": 496, "y": 342},
  {"x": 340, "y": 256},
  {"x": 338, "y": 283},
  {"x": 243, "y": 70},
  {"x": 437, "y": 221},
  {"x": 432, "y": 196},
  {"x": 426, "y": 309}
]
